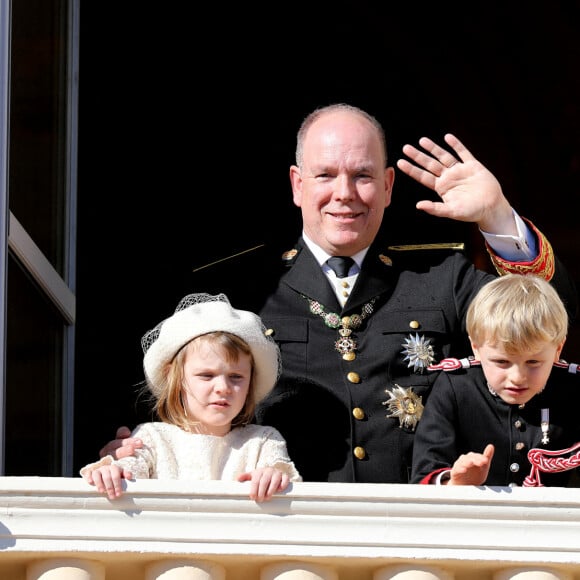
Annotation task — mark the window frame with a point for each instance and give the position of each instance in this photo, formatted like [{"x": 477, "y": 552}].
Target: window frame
[{"x": 17, "y": 244}]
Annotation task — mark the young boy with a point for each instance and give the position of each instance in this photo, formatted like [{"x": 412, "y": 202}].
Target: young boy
[{"x": 511, "y": 411}]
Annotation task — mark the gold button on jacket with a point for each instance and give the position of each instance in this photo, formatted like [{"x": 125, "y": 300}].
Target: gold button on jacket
[{"x": 359, "y": 452}]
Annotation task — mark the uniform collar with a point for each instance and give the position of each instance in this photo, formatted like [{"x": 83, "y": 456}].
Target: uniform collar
[{"x": 321, "y": 256}]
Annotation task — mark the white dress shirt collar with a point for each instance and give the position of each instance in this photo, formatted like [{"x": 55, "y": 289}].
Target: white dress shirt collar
[{"x": 321, "y": 256}]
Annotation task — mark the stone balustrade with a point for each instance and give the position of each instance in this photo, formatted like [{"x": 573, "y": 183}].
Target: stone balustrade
[{"x": 61, "y": 529}]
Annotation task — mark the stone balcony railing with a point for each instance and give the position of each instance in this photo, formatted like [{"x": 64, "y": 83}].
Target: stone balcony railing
[{"x": 61, "y": 529}]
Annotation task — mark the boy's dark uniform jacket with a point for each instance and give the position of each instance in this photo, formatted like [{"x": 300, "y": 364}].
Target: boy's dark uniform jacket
[
  {"x": 463, "y": 416},
  {"x": 332, "y": 411}
]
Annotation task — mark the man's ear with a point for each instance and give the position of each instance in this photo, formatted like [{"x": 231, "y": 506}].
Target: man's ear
[{"x": 296, "y": 183}]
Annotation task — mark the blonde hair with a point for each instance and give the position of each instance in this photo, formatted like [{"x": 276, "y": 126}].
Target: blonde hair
[
  {"x": 517, "y": 312},
  {"x": 170, "y": 407}
]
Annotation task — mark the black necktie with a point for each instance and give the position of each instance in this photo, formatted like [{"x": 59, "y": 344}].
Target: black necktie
[{"x": 340, "y": 265}]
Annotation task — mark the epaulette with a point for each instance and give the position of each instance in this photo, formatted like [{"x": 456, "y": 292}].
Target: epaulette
[
  {"x": 453, "y": 364},
  {"x": 571, "y": 367},
  {"x": 440, "y": 246},
  {"x": 289, "y": 256}
]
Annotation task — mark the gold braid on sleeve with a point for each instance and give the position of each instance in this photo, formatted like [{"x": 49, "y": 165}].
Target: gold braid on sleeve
[{"x": 542, "y": 265}]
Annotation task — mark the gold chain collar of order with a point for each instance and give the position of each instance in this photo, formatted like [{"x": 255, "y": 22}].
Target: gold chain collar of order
[{"x": 346, "y": 344}]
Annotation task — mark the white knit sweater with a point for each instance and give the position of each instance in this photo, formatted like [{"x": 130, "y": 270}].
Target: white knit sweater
[{"x": 169, "y": 452}]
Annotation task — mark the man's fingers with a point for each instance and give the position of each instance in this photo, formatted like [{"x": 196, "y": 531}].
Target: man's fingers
[
  {"x": 459, "y": 148},
  {"x": 425, "y": 178},
  {"x": 123, "y": 446},
  {"x": 125, "y": 449},
  {"x": 123, "y": 432}
]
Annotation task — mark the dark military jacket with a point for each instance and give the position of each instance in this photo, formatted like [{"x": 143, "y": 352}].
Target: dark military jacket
[
  {"x": 354, "y": 420},
  {"x": 463, "y": 416}
]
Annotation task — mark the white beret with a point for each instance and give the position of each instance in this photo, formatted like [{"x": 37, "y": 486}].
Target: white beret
[{"x": 198, "y": 314}]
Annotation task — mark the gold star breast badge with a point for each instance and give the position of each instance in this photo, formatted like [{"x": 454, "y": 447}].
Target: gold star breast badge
[{"x": 406, "y": 405}]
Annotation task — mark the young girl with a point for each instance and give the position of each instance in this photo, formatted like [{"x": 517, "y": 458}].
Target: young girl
[
  {"x": 207, "y": 367},
  {"x": 512, "y": 411}
]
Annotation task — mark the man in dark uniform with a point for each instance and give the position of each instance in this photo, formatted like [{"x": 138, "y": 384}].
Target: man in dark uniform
[{"x": 355, "y": 344}]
